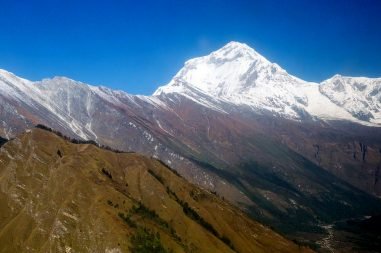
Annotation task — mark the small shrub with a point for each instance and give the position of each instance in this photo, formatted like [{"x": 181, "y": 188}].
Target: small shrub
[
  {"x": 145, "y": 212},
  {"x": 188, "y": 211},
  {"x": 146, "y": 241},
  {"x": 191, "y": 213},
  {"x": 159, "y": 178},
  {"x": 227, "y": 242},
  {"x": 107, "y": 173},
  {"x": 127, "y": 219}
]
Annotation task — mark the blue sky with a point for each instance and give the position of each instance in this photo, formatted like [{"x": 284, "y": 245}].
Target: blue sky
[{"x": 137, "y": 46}]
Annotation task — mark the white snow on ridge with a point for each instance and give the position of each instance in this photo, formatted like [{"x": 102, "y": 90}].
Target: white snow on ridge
[
  {"x": 360, "y": 96},
  {"x": 235, "y": 75},
  {"x": 238, "y": 74},
  {"x": 71, "y": 103},
  {"x": 18, "y": 88},
  {"x": 323, "y": 108}
]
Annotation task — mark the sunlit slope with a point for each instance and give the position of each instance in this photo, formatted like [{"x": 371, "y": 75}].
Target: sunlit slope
[{"x": 56, "y": 196}]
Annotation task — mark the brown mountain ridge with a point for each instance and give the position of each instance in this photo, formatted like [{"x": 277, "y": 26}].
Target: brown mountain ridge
[{"x": 57, "y": 196}]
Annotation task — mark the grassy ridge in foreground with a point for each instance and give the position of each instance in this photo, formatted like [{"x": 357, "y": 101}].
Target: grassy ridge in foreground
[{"x": 57, "y": 196}]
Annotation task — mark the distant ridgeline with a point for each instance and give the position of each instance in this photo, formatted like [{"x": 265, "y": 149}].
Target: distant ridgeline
[
  {"x": 76, "y": 141},
  {"x": 2, "y": 141}
]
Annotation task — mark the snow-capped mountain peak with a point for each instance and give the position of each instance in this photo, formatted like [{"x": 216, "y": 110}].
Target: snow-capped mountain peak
[
  {"x": 234, "y": 50},
  {"x": 360, "y": 96},
  {"x": 228, "y": 79},
  {"x": 234, "y": 69},
  {"x": 238, "y": 74}
]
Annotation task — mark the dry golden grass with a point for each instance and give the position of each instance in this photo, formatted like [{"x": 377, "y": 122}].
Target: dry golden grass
[{"x": 71, "y": 201}]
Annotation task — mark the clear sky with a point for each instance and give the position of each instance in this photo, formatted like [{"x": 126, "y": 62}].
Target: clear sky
[{"x": 139, "y": 45}]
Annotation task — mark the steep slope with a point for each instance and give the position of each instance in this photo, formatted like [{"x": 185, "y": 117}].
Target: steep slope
[
  {"x": 351, "y": 152},
  {"x": 236, "y": 80},
  {"x": 232, "y": 122},
  {"x": 61, "y": 197},
  {"x": 276, "y": 182},
  {"x": 237, "y": 74},
  {"x": 359, "y": 96},
  {"x": 112, "y": 118},
  {"x": 24, "y": 105}
]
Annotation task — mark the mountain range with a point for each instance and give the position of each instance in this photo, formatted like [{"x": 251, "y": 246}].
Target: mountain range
[{"x": 278, "y": 147}]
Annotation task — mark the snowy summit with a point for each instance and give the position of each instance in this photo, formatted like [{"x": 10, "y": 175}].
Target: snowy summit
[{"x": 238, "y": 74}]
